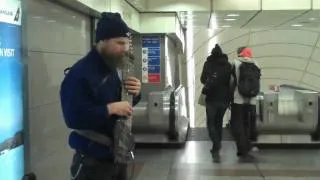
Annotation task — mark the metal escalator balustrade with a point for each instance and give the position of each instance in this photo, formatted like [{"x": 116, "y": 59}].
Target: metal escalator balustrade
[
  {"x": 288, "y": 117},
  {"x": 161, "y": 120}
]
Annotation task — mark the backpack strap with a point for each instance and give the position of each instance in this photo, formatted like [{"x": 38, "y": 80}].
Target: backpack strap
[
  {"x": 234, "y": 83},
  {"x": 235, "y": 79},
  {"x": 95, "y": 137}
]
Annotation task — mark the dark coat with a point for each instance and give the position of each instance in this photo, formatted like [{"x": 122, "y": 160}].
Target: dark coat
[
  {"x": 217, "y": 60},
  {"x": 85, "y": 92}
]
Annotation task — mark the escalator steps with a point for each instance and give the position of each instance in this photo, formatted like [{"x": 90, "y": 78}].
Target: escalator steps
[{"x": 201, "y": 134}]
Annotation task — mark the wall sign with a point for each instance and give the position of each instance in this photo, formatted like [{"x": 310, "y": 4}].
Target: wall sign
[
  {"x": 11, "y": 92},
  {"x": 151, "y": 71}
]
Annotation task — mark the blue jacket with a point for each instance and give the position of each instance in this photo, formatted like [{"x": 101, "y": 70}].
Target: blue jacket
[{"x": 84, "y": 97}]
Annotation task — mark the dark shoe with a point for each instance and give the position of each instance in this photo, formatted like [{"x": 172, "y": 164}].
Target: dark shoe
[
  {"x": 247, "y": 158},
  {"x": 215, "y": 156}
]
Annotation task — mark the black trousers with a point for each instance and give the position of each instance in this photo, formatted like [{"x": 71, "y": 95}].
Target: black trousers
[
  {"x": 215, "y": 112},
  {"x": 88, "y": 168},
  {"x": 243, "y": 123}
]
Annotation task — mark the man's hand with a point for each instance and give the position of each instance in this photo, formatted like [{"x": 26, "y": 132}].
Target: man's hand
[
  {"x": 122, "y": 108},
  {"x": 133, "y": 85}
]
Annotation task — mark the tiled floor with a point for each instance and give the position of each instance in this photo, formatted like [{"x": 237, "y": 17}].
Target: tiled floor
[{"x": 194, "y": 163}]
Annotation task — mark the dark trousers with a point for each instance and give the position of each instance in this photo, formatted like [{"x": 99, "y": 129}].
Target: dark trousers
[
  {"x": 88, "y": 168},
  {"x": 243, "y": 126},
  {"x": 215, "y": 112}
]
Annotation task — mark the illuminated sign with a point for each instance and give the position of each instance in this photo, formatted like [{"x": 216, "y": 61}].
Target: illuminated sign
[
  {"x": 151, "y": 59},
  {"x": 11, "y": 92},
  {"x": 10, "y": 11}
]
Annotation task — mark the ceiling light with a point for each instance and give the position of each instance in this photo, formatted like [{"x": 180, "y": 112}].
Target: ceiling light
[
  {"x": 226, "y": 26},
  {"x": 296, "y": 25},
  {"x": 37, "y": 17},
  {"x": 230, "y": 19},
  {"x": 312, "y": 19},
  {"x": 233, "y": 15}
]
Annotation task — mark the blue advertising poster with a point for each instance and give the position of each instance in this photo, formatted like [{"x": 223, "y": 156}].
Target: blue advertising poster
[
  {"x": 11, "y": 92},
  {"x": 151, "y": 59}
]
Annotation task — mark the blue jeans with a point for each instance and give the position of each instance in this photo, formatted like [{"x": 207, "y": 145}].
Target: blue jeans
[{"x": 215, "y": 112}]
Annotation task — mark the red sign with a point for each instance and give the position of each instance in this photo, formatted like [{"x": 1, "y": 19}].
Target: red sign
[{"x": 154, "y": 78}]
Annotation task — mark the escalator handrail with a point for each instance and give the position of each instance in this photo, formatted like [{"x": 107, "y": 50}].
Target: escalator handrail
[
  {"x": 173, "y": 134},
  {"x": 178, "y": 89}
]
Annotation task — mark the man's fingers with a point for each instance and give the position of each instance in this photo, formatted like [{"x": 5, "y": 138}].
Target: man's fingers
[
  {"x": 133, "y": 79},
  {"x": 135, "y": 92},
  {"x": 132, "y": 87},
  {"x": 132, "y": 83}
]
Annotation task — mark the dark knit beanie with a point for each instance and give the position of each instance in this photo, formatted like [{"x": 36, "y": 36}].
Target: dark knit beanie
[{"x": 111, "y": 25}]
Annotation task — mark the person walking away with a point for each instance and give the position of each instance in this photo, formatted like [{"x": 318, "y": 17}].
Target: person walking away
[
  {"x": 216, "y": 79},
  {"x": 246, "y": 75},
  {"x": 91, "y": 102}
]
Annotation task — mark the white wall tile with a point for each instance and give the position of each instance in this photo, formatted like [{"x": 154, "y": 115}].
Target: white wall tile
[
  {"x": 282, "y": 62},
  {"x": 314, "y": 67},
  {"x": 312, "y": 80},
  {"x": 281, "y": 73},
  {"x": 56, "y": 166},
  {"x": 282, "y": 50},
  {"x": 45, "y": 75},
  {"x": 48, "y": 131},
  {"x": 57, "y": 38},
  {"x": 266, "y": 82},
  {"x": 316, "y": 54},
  {"x": 56, "y": 30}
]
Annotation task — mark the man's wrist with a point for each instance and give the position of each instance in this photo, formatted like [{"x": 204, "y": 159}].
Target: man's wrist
[{"x": 110, "y": 110}]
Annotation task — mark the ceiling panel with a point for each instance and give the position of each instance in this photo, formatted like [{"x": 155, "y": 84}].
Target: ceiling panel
[
  {"x": 177, "y": 5},
  {"x": 198, "y": 19},
  {"x": 316, "y": 4},
  {"x": 273, "y": 18},
  {"x": 283, "y": 36},
  {"x": 309, "y": 19},
  {"x": 141, "y": 5},
  {"x": 233, "y": 18},
  {"x": 219, "y": 19},
  {"x": 236, "y": 5},
  {"x": 295, "y": 19},
  {"x": 286, "y": 4}
]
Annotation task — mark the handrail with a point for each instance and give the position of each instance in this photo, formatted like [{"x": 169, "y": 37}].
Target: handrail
[
  {"x": 296, "y": 87},
  {"x": 172, "y": 133},
  {"x": 178, "y": 89}
]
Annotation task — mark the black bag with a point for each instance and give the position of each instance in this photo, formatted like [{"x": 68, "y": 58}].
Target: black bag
[
  {"x": 249, "y": 80},
  {"x": 217, "y": 76}
]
